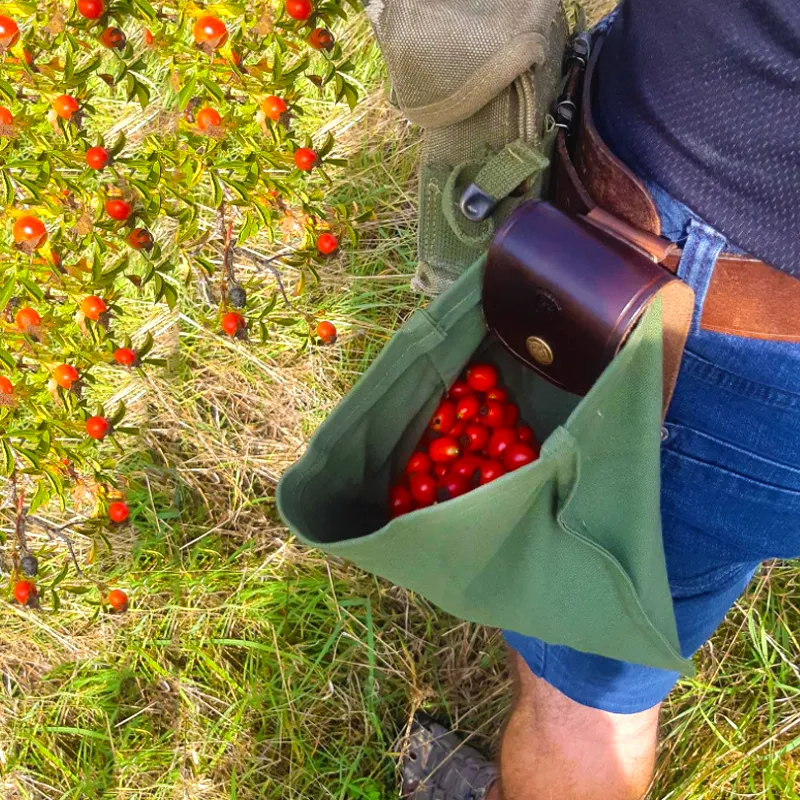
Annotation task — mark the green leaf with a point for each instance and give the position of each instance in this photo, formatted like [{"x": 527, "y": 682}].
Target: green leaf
[
  {"x": 6, "y": 292},
  {"x": 327, "y": 146},
  {"x": 217, "y": 187},
  {"x": 212, "y": 87},
  {"x": 69, "y": 66},
  {"x": 146, "y": 346},
  {"x": 6, "y": 459},
  {"x": 119, "y": 415},
  {"x": 7, "y": 91},
  {"x": 237, "y": 186},
  {"x": 83, "y": 74},
  {"x": 170, "y": 295},
  {"x": 186, "y": 93},
  {"x": 40, "y": 497},
  {"x": 146, "y": 9},
  {"x": 117, "y": 147},
  {"x": 143, "y": 95},
  {"x": 32, "y": 287},
  {"x": 7, "y": 187},
  {"x": 131, "y": 82}
]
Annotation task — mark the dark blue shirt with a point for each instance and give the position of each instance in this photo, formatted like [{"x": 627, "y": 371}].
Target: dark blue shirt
[{"x": 704, "y": 95}]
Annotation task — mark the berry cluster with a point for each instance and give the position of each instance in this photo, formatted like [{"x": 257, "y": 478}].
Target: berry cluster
[{"x": 474, "y": 437}]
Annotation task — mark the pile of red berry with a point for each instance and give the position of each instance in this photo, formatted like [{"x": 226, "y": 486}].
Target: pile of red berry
[{"x": 475, "y": 437}]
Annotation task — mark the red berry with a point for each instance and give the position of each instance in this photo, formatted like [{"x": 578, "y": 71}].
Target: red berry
[
  {"x": 274, "y": 107},
  {"x": 459, "y": 389},
  {"x": 518, "y": 455},
  {"x": 6, "y": 117},
  {"x": 207, "y": 118},
  {"x": 6, "y": 387},
  {"x": 232, "y": 323},
  {"x": 498, "y": 393},
  {"x": 30, "y": 232},
  {"x": 327, "y": 243},
  {"x": 467, "y": 467},
  {"x": 93, "y": 306},
  {"x": 118, "y": 600},
  {"x": 491, "y": 471},
  {"x": 148, "y": 37},
  {"x": 444, "y": 417},
  {"x": 475, "y": 438},
  {"x": 305, "y": 159},
  {"x": 98, "y": 427},
  {"x": 511, "y": 415},
  {"x": 210, "y": 32},
  {"x": 400, "y": 501},
  {"x": 321, "y": 39},
  {"x": 327, "y": 332},
  {"x": 457, "y": 431},
  {"x": 493, "y": 414},
  {"x": 25, "y": 592},
  {"x": 299, "y": 9},
  {"x": 444, "y": 450},
  {"x": 500, "y": 440},
  {"x": 27, "y": 318},
  {"x": 423, "y": 489},
  {"x": 118, "y": 511},
  {"x": 468, "y": 407},
  {"x": 125, "y": 356},
  {"x": 97, "y": 157},
  {"x": 113, "y": 39},
  {"x": 440, "y": 470},
  {"x": 141, "y": 239},
  {"x": 91, "y": 9},
  {"x": 419, "y": 462},
  {"x": 9, "y": 32},
  {"x": 450, "y": 487},
  {"x": 118, "y": 209},
  {"x": 525, "y": 434},
  {"x": 65, "y": 106},
  {"x": 482, "y": 377},
  {"x": 65, "y": 375}
]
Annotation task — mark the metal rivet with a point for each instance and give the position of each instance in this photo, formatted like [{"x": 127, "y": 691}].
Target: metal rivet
[
  {"x": 540, "y": 351},
  {"x": 664, "y": 434}
]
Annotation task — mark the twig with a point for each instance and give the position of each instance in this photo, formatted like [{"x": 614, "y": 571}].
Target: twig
[
  {"x": 58, "y": 530},
  {"x": 266, "y": 263},
  {"x": 19, "y": 498}
]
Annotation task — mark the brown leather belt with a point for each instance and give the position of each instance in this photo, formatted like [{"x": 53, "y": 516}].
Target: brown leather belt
[{"x": 746, "y": 297}]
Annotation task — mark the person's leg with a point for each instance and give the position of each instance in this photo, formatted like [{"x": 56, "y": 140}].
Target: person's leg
[{"x": 554, "y": 747}]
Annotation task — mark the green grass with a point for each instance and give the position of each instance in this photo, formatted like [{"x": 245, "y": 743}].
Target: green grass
[{"x": 249, "y": 667}]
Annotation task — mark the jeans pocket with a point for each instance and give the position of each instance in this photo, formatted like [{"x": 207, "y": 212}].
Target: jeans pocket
[{"x": 729, "y": 510}]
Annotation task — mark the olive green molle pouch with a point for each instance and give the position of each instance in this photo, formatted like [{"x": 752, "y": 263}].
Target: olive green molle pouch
[
  {"x": 567, "y": 549},
  {"x": 479, "y": 78}
]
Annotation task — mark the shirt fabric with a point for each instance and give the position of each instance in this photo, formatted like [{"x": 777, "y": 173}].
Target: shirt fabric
[{"x": 704, "y": 95}]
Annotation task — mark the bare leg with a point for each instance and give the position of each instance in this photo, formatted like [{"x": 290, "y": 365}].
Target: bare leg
[{"x": 556, "y": 749}]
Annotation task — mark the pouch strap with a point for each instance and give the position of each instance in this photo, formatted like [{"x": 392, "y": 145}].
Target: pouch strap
[{"x": 499, "y": 177}]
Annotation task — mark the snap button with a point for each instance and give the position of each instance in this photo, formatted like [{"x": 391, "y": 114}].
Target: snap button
[
  {"x": 540, "y": 350},
  {"x": 664, "y": 434}
]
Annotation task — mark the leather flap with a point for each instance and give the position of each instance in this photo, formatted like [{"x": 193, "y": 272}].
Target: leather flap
[{"x": 563, "y": 294}]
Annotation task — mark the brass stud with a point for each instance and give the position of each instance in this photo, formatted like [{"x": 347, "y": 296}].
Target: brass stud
[{"x": 540, "y": 351}]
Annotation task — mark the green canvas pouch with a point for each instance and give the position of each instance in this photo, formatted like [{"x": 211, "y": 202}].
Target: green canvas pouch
[
  {"x": 479, "y": 79},
  {"x": 549, "y": 550}
]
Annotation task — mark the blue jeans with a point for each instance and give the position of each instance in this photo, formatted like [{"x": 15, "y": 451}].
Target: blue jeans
[{"x": 730, "y": 495}]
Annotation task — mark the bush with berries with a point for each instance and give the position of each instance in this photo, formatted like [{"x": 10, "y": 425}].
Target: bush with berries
[{"x": 143, "y": 148}]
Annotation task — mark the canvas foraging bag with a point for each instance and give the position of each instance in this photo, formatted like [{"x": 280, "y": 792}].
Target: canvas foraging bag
[
  {"x": 479, "y": 78},
  {"x": 549, "y": 550}
]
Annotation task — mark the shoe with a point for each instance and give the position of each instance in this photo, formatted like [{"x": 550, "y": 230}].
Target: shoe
[{"x": 437, "y": 765}]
